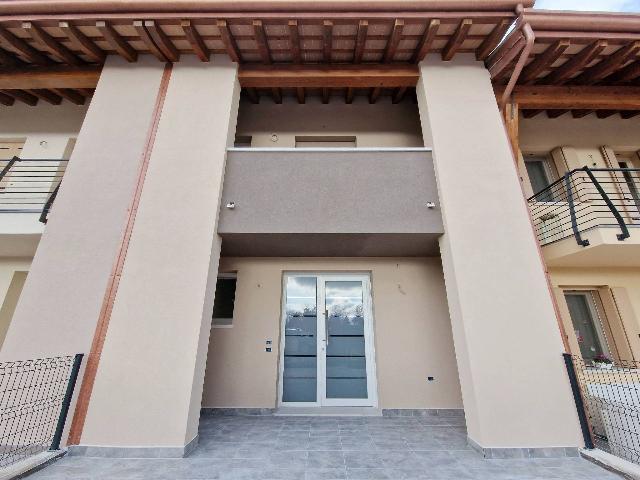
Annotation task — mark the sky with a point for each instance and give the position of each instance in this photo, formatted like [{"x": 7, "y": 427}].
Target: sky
[{"x": 595, "y": 5}]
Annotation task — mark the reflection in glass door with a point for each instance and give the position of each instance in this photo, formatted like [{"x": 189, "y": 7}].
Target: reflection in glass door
[{"x": 327, "y": 346}]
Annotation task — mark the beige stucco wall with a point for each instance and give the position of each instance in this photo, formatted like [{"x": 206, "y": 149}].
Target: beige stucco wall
[
  {"x": 379, "y": 125},
  {"x": 412, "y": 332}
]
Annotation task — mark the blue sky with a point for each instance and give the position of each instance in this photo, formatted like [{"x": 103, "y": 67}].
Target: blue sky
[{"x": 594, "y": 5}]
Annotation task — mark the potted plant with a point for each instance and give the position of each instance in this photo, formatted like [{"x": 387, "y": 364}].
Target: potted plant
[{"x": 602, "y": 361}]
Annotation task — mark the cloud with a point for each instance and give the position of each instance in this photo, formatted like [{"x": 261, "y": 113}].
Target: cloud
[{"x": 591, "y": 5}]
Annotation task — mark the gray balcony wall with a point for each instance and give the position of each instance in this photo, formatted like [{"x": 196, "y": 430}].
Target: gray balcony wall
[{"x": 329, "y": 203}]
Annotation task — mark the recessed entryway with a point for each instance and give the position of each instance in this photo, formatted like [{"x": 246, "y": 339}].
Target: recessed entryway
[{"x": 327, "y": 354}]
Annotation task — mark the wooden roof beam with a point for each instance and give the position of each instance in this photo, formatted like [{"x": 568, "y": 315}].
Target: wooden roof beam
[
  {"x": 47, "y": 95},
  {"x": 458, "y": 38},
  {"x": 605, "y": 113},
  {"x": 626, "y": 114},
  {"x": 348, "y": 97},
  {"x": 394, "y": 40},
  {"x": 320, "y": 76},
  {"x": 627, "y": 74},
  {"x": 564, "y": 72},
  {"x": 543, "y": 61},
  {"x": 23, "y": 49},
  {"x": 197, "y": 43},
  {"x": 375, "y": 94},
  {"x": 261, "y": 40},
  {"x": 116, "y": 41},
  {"x": 148, "y": 41},
  {"x": 361, "y": 40},
  {"x": 50, "y": 77},
  {"x": 9, "y": 60},
  {"x": 327, "y": 40},
  {"x": 576, "y": 97},
  {"x": 23, "y": 96},
  {"x": 399, "y": 95},
  {"x": 252, "y": 93},
  {"x": 82, "y": 42},
  {"x": 556, "y": 113},
  {"x": 531, "y": 113},
  {"x": 609, "y": 65},
  {"x": 72, "y": 96},
  {"x": 229, "y": 42},
  {"x": 6, "y": 100},
  {"x": 162, "y": 41},
  {"x": 501, "y": 67},
  {"x": 326, "y": 95},
  {"x": 424, "y": 45},
  {"x": 294, "y": 40},
  {"x": 54, "y": 47},
  {"x": 490, "y": 43},
  {"x": 581, "y": 113},
  {"x": 276, "y": 94},
  {"x": 300, "y": 93}
]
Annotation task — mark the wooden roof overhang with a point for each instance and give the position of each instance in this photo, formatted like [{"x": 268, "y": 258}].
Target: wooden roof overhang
[
  {"x": 53, "y": 49},
  {"x": 571, "y": 62}
]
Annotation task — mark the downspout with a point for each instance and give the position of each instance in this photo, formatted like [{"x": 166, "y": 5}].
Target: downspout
[{"x": 530, "y": 38}]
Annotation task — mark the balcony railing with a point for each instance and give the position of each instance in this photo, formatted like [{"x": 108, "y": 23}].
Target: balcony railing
[
  {"x": 30, "y": 185},
  {"x": 584, "y": 199}
]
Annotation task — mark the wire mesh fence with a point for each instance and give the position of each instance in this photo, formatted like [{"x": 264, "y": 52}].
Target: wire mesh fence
[
  {"x": 34, "y": 401},
  {"x": 586, "y": 198},
  {"x": 610, "y": 394}
]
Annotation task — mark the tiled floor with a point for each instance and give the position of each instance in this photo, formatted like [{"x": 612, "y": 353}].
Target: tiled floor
[{"x": 309, "y": 448}]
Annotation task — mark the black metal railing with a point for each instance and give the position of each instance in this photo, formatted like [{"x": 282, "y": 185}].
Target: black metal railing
[
  {"x": 35, "y": 396},
  {"x": 607, "y": 396},
  {"x": 30, "y": 185},
  {"x": 586, "y": 198}
]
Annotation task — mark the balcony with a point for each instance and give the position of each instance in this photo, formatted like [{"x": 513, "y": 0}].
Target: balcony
[
  {"x": 329, "y": 202},
  {"x": 589, "y": 218},
  {"x": 27, "y": 190}
]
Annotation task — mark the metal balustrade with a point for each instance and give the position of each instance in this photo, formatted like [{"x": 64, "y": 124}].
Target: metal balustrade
[
  {"x": 35, "y": 397},
  {"x": 584, "y": 199},
  {"x": 30, "y": 185}
]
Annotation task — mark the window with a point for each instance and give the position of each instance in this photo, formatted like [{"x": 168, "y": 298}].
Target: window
[
  {"x": 224, "y": 301},
  {"x": 587, "y": 324},
  {"x": 320, "y": 141},
  {"x": 541, "y": 175},
  {"x": 631, "y": 176}
]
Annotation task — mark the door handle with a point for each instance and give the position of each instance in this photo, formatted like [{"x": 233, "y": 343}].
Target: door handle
[{"x": 326, "y": 327}]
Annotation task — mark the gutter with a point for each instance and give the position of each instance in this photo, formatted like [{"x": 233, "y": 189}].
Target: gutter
[
  {"x": 599, "y": 22},
  {"x": 530, "y": 38},
  {"x": 70, "y": 7}
]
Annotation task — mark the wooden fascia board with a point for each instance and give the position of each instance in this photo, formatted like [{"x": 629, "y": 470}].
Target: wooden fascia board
[
  {"x": 543, "y": 97},
  {"x": 49, "y": 77}
]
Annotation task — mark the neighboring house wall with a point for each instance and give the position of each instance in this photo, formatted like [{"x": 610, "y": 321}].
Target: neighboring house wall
[
  {"x": 379, "y": 125},
  {"x": 413, "y": 337}
]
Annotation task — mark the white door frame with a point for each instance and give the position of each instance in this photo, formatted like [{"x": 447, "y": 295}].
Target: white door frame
[{"x": 321, "y": 400}]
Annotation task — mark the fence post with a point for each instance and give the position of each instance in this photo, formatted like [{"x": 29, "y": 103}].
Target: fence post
[
  {"x": 577, "y": 398},
  {"x": 66, "y": 402}
]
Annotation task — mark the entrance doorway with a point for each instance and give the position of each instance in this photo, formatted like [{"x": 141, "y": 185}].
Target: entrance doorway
[{"x": 327, "y": 356}]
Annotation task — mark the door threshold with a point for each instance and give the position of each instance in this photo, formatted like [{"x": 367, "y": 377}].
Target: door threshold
[{"x": 329, "y": 411}]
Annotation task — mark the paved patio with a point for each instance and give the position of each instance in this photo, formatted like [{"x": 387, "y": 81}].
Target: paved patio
[{"x": 310, "y": 448}]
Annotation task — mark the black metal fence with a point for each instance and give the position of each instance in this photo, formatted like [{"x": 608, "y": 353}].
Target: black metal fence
[
  {"x": 586, "y": 198},
  {"x": 30, "y": 185},
  {"x": 607, "y": 397},
  {"x": 35, "y": 396}
]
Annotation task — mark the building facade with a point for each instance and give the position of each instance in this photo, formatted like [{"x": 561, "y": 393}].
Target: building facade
[{"x": 261, "y": 207}]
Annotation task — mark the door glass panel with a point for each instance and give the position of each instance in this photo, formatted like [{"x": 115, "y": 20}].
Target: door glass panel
[
  {"x": 346, "y": 366},
  {"x": 539, "y": 179},
  {"x": 300, "y": 346},
  {"x": 587, "y": 328}
]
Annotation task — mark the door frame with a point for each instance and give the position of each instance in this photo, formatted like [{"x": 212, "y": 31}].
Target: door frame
[{"x": 370, "y": 354}]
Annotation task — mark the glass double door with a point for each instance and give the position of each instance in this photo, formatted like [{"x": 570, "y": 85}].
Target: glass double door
[{"x": 327, "y": 342}]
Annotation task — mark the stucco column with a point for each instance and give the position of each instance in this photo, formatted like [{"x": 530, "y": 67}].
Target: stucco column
[
  {"x": 61, "y": 299},
  {"x": 508, "y": 346},
  {"x": 148, "y": 387}
]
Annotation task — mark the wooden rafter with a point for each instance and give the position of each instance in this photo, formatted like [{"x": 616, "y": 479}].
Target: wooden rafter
[
  {"x": 361, "y": 40},
  {"x": 23, "y": 48},
  {"x": 348, "y": 97},
  {"x": 605, "y": 113},
  {"x": 493, "y": 39},
  {"x": 82, "y": 42},
  {"x": 627, "y": 74},
  {"x": 47, "y": 95},
  {"x": 261, "y": 41},
  {"x": 162, "y": 41},
  {"x": 424, "y": 45},
  {"x": 6, "y": 100},
  {"x": 50, "y": 77},
  {"x": 543, "y": 61},
  {"x": 326, "y": 95},
  {"x": 375, "y": 94},
  {"x": 148, "y": 41},
  {"x": 394, "y": 41},
  {"x": 456, "y": 41},
  {"x": 579, "y": 61},
  {"x": 530, "y": 113},
  {"x": 23, "y": 96},
  {"x": 116, "y": 41},
  {"x": 300, "y": 93},
  {"x": 276, "y": 94},
  {"x": 228, "y": 41},
  {"x": 320, "y": 76},
  {"x": 294, "y": 40},
  {"x": 9, "y": 60},
  {"x": 327, "y": 40},
  {"x": 253, "y": 95},
  {"x": 71, "y": 95},
  {"x": 556, "y": 113},
  {"x": 626, "y": 114},
  {"x": 54, "y": 47},
  {"x": 399, "y": 95},
  {"x": 609, "y": 65},
  {"x": 501, "y": 66},
  {"x": 197, "y": 44},
  {"x": 581, "y": 113}
]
